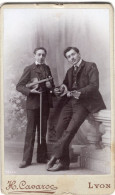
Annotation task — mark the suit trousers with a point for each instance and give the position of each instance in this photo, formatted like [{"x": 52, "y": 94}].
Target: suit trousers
[
  {"x": 33, "y": 124},
  {"x": 72, "y": 116}
]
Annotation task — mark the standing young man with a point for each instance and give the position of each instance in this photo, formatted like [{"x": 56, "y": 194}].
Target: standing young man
[
  {"x": 83, "y": 97},
  {"x": 38, "y": 70}
]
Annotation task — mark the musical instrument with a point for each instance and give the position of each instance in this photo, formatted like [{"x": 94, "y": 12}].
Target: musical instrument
[
  {"x": 61, "y": 90},
  {"x": 35, "y": 82}
]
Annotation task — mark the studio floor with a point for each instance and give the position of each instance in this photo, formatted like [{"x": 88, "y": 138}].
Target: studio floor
[{"x": 13, "y": 156}]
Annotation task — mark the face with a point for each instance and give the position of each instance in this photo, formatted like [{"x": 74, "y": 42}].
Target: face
[
  {"x": 72, "y": 56},
  {"x": 40, "y": 56}
]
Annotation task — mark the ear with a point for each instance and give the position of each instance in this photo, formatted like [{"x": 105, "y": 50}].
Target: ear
[{"x": 79, "y": 55}]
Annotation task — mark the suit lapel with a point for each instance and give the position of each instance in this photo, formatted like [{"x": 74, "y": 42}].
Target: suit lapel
[
  {"x": 70, "y": 77},
  {"x": 40, "y": 72},
  {"x": 37, "y": 69},
  {"x": 80, "y": 67},
  {"x": 33, "y": 66}
]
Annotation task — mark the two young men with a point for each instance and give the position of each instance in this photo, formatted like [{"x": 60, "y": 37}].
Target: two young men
[{"x": 82, "y": 97}]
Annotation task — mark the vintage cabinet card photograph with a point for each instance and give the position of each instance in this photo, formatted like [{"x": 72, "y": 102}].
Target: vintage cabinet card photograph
[{"x": 57, "y": 98}]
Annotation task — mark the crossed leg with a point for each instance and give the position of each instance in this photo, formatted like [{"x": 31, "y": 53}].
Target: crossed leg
[{"x": 72, "y": 116}]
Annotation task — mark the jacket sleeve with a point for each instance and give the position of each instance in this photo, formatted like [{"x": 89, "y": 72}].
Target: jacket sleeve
[
  {"x": 93, "y": 77},
  {"x": 65, "y": 81},
  {"x": 25, "y": 78}
]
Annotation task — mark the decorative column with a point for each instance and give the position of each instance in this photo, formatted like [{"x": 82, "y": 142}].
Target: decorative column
[
  {"x": 104, "y": 116},
  {"x": 96, "y": 155},
  {"x": 94, "y": 135}
]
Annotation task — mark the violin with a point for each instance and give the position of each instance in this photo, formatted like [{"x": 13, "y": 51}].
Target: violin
[{"x": 35, "y": 82}]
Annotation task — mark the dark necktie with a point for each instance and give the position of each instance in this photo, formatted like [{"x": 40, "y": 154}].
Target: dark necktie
[
  {"x": 75, "y": 68},
  {"x": 75, "y": 77}
]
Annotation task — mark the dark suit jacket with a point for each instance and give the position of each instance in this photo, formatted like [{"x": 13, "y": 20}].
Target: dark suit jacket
[
  {"x": 88, "y": 84},
  {"x": 33, "y": 100}
]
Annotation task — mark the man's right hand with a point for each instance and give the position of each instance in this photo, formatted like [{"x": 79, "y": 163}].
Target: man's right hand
[
  {"x": 34, "y": 91},
  {"x": 57, "y": 91}
]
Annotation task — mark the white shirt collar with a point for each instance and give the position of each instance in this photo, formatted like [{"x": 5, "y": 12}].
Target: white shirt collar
[
  {"x": 37, "y": 63},
  {"x": 78, "y": 64}
]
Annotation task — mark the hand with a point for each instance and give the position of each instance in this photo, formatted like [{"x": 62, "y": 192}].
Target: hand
[
  {"x": 75, "y": 94},
  {"x": 48, "y": 85},
  {"x": 69, "y": 94},
  {"x": 34, "y": 91},
  {"x": 62, "y": 88},
  {"x": 57, "y": 91}
]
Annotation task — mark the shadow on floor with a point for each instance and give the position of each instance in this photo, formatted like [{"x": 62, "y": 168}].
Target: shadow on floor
[{"x": 13, "y": 156}]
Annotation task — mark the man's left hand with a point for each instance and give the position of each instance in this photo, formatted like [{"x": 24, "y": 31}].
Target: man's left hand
[{"x": 76, "y": 94}]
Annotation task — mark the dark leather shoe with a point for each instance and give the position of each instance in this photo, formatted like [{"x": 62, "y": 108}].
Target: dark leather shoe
[
  {"x": 24, "y": 164},
  {"x": 51, "y": 162},
  {"x": 58, "y": 167}
]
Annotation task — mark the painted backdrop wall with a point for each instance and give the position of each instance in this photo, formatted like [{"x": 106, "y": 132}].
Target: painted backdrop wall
[{"x": 54, "y": 29}]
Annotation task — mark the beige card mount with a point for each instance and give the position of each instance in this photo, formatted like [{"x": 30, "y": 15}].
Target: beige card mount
[{"x": 56, "y": 26}]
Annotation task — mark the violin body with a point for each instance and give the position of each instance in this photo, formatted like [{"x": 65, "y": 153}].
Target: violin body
[{"x": 34, "y": 84}]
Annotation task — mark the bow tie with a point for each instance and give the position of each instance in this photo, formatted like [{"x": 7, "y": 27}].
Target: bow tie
[{"x": 39, "y": 66}]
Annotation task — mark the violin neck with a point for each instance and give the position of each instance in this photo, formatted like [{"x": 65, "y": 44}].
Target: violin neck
[
  {"x": 40, "y": 81},
  {"x": 43, "y": 80}
]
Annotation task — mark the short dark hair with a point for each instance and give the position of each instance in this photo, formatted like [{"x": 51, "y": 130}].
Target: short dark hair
[
  {"x": 38, "y": 48},
  {"x": 69, "y": 48}
]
